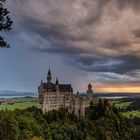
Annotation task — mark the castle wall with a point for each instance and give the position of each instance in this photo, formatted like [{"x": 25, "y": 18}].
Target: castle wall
[{"x": 54, "y": 101}]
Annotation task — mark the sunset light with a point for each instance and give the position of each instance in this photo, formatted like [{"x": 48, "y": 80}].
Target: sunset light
[{"x": 117, "y": 87}]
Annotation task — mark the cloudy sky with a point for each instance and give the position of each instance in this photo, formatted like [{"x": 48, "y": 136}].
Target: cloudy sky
[{"x": 82, "y": 41}]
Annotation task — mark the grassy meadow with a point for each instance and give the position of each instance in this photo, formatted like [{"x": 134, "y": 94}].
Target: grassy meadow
[
  {"x": 131, "y": 114},
  {"x": 19, "y": 103},
  {"x": 121, "y": 104},
  {"x": 17, "y": 106},
  {"x": 125, "y": 104}
]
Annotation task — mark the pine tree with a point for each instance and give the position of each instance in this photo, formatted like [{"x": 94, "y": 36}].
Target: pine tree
[{"x": 5, "y": 23}]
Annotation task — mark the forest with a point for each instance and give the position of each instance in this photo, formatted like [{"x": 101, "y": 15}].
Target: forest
[{"x": 103, "y": 122}]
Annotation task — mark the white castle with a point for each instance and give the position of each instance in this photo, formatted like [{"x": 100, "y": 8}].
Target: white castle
[{"x": 52, "y": 96}]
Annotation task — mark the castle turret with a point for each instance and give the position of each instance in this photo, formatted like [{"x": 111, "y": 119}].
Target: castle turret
[
  {"x": 57, "y": 82},
  {"x": 90, "y": 92},
  {"x": 77, "y": 94},
  {"x": 49, "y": 77}
]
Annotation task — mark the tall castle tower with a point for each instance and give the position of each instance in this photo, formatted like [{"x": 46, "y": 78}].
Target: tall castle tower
[
  {"x": 81, "y": 103},
  {"x": 90, "y": 92}
]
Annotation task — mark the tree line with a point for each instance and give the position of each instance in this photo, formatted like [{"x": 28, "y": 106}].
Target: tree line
[{"x": 102, "y": 122}]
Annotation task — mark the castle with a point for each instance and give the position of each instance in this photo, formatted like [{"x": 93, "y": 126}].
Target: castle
[{"x": 52, "y": 96}]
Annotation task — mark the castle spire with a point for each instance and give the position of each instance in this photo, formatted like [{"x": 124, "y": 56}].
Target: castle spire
[
  {"x": 49, "y": 77},
  {"x": 57, "y": 82}
]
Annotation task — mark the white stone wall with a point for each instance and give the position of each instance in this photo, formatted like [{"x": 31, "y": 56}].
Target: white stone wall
[{"x": 55, "y": 100}]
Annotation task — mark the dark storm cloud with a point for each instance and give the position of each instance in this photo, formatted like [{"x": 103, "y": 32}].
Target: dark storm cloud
[
  {"x": 137, "y": 33},
  {"x": 135, "y": 4},
  {"x": 119, "y": 65},
  {"x": 94, "y": 35}
]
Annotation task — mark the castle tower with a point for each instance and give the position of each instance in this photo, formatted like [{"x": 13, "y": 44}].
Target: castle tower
[
  {"x": 90, "y": 92},
  {"x": 49, "y": 77},
  {"x": 57, "y": 82}
]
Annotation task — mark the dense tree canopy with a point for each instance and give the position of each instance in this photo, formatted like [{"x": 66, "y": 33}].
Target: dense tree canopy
[
  {"x": 103, "y": 122},
  {"x": 5, "y": 23}
]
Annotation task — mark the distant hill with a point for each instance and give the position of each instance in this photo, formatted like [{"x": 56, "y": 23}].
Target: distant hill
[
  {"x": 12, "y": 94},
  {"x": 115, "y": 95}
]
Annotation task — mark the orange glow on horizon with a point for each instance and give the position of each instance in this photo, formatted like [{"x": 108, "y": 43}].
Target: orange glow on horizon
[{"x": 117, "y": 87}]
